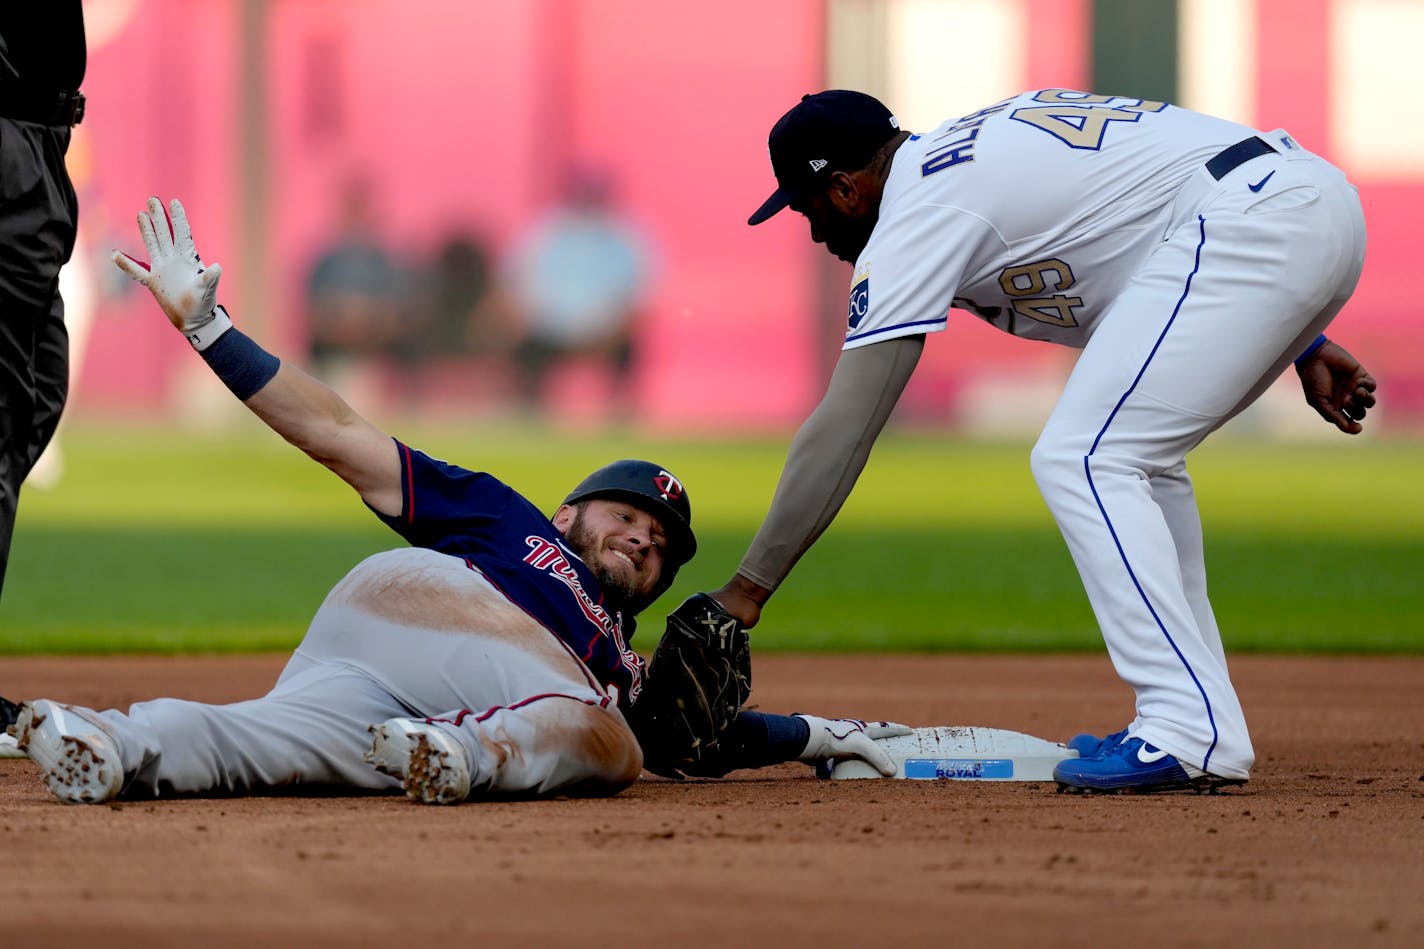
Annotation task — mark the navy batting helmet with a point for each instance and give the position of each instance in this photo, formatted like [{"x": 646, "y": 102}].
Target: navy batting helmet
[{"x": 654, "y": 489}]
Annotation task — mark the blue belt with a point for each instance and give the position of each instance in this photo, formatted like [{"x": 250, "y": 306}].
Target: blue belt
[{"x": 1229, "y": 159}]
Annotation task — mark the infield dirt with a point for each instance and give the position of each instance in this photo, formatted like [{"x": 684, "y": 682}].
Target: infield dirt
[{"x": 1325, "y": 846}]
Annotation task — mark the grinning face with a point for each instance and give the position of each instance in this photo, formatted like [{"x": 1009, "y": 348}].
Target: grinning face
[{"x": 620, "y": 542}]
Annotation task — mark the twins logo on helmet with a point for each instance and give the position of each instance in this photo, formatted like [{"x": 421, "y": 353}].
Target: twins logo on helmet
[{"x": 668, "y": 485}]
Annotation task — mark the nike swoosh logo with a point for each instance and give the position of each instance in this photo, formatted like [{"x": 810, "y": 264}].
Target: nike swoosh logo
[
  {"x": 1156, "y": 754},
  {"x": 1260, "y": 184}
]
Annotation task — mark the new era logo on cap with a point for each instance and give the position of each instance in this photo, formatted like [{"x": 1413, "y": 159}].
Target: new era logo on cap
[{"x": 835, "y": 130}]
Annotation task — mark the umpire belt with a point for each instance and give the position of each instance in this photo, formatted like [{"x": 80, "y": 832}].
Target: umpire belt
[
  {"x": 43, "y": 106},
  {"x": 1229, "y": 159}
]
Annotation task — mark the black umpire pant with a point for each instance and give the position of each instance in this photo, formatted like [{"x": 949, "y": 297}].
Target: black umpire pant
[{"x": 38, "y": 216}]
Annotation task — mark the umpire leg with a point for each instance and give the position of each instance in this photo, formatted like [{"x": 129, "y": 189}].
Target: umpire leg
[
  {"x": 34, "y": 381},
  {"x": 38, "y": 213}
]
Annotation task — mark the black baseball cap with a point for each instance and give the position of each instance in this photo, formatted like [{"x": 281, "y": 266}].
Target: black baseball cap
[
  {"x": 835, "y": 130},
  {"x": 653, "y": 488}
]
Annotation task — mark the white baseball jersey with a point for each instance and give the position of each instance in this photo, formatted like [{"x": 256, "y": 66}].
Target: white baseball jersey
[
  {"x": 1032, "y": 213},
  {"x": 1190, "y": 259}
]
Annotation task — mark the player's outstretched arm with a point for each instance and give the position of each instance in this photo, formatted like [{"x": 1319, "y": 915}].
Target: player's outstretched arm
[
  {"x": 825, "y": 459},
  {"x": 299, "y": 408},
  {"x": 761, "y": 739},
  {"x": 1336, "y": 385}
]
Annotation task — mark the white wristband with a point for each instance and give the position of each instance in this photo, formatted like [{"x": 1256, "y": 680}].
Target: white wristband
[{"x": 207, "y": 334}]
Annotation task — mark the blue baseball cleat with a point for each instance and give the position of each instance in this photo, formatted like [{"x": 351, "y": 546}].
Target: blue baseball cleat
[
  {"x": 1133, "y": 766},
  {"x": 1090, "y": 746}
]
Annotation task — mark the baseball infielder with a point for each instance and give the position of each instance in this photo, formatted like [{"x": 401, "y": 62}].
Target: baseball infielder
[
  {"x": 1189, "y": 258},
  {"x": 490, "y": 658}
]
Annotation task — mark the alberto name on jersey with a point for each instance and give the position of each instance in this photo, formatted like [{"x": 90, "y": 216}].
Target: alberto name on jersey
[
  {"x": 482, "y": 520},
  {"x": 1031, "y": 214}
]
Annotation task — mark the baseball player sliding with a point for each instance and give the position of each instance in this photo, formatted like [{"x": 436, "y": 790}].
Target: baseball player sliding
[
  {"x": 1190, "y": 259},
  {"x": 491, "y": 657}
]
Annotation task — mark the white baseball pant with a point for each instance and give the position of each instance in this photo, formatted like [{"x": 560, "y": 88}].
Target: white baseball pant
[
  {"x": 407, "y": 633},
  {"x": 1238, "y": 288}
]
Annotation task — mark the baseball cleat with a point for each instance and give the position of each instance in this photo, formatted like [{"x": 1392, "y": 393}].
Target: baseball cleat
[
  {"x": 80, "y": 761},
  {"x": 1090, "y": 746},
  {"x": 431, "y": 765},
  {"x": 1135, "y": 767}
]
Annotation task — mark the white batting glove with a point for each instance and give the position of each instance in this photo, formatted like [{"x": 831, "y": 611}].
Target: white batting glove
[
  {"x": 833, "y": 738},
  {"x": 175, "y": 274}
]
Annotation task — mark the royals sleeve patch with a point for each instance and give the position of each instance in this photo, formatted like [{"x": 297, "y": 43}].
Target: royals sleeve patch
[{"x": 859, "y": 302}]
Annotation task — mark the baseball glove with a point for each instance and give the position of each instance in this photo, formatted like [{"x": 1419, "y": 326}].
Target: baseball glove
[{"x": 697, "y": 680}]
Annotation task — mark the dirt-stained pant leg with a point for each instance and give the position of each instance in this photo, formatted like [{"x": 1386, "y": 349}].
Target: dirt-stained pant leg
[
  {"x": 449, "y": 645},
  {"x": 407, "y": 633},
  {"x": 309, "y": 730},
  {"x": 549, "y": 743}
]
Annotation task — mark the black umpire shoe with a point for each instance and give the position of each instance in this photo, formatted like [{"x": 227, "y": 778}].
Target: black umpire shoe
[{"x": 9, "y": 713}]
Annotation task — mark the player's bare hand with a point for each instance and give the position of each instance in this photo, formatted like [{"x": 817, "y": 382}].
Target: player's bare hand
[
  {"x": 184, "y": 287},
  {"x": 837, "y": 738},
  {"x": 1337, "y": 387},
  {"x": 743, "y": 599}
]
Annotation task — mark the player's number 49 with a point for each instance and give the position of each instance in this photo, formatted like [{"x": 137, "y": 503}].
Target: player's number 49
[
  {"x": 1025, "y": 284},
  {"x": 1081, "y": 120}
]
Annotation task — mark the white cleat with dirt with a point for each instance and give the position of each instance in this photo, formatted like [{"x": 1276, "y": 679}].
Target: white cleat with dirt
[
  {"x": 431, "y": 765},
  {"x": 79, "y": 760}
]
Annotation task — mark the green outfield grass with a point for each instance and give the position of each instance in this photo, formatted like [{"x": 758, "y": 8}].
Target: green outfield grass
[{"x": 158, "y": 540}]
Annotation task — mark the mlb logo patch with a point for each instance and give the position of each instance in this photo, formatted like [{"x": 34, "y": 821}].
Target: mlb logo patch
[{"x": 859, "y": 302}]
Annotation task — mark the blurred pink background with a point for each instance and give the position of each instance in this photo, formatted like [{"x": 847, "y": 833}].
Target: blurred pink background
[{"x": 464, "y": 118}]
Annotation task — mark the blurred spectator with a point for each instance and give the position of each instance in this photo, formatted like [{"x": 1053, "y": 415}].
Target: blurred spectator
[
  {"x": 578, "y": 279},
  {"x": 356, "y": 304},
  {"x": 465, "y": 318},
  {"x": 461, "y": 358}
]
